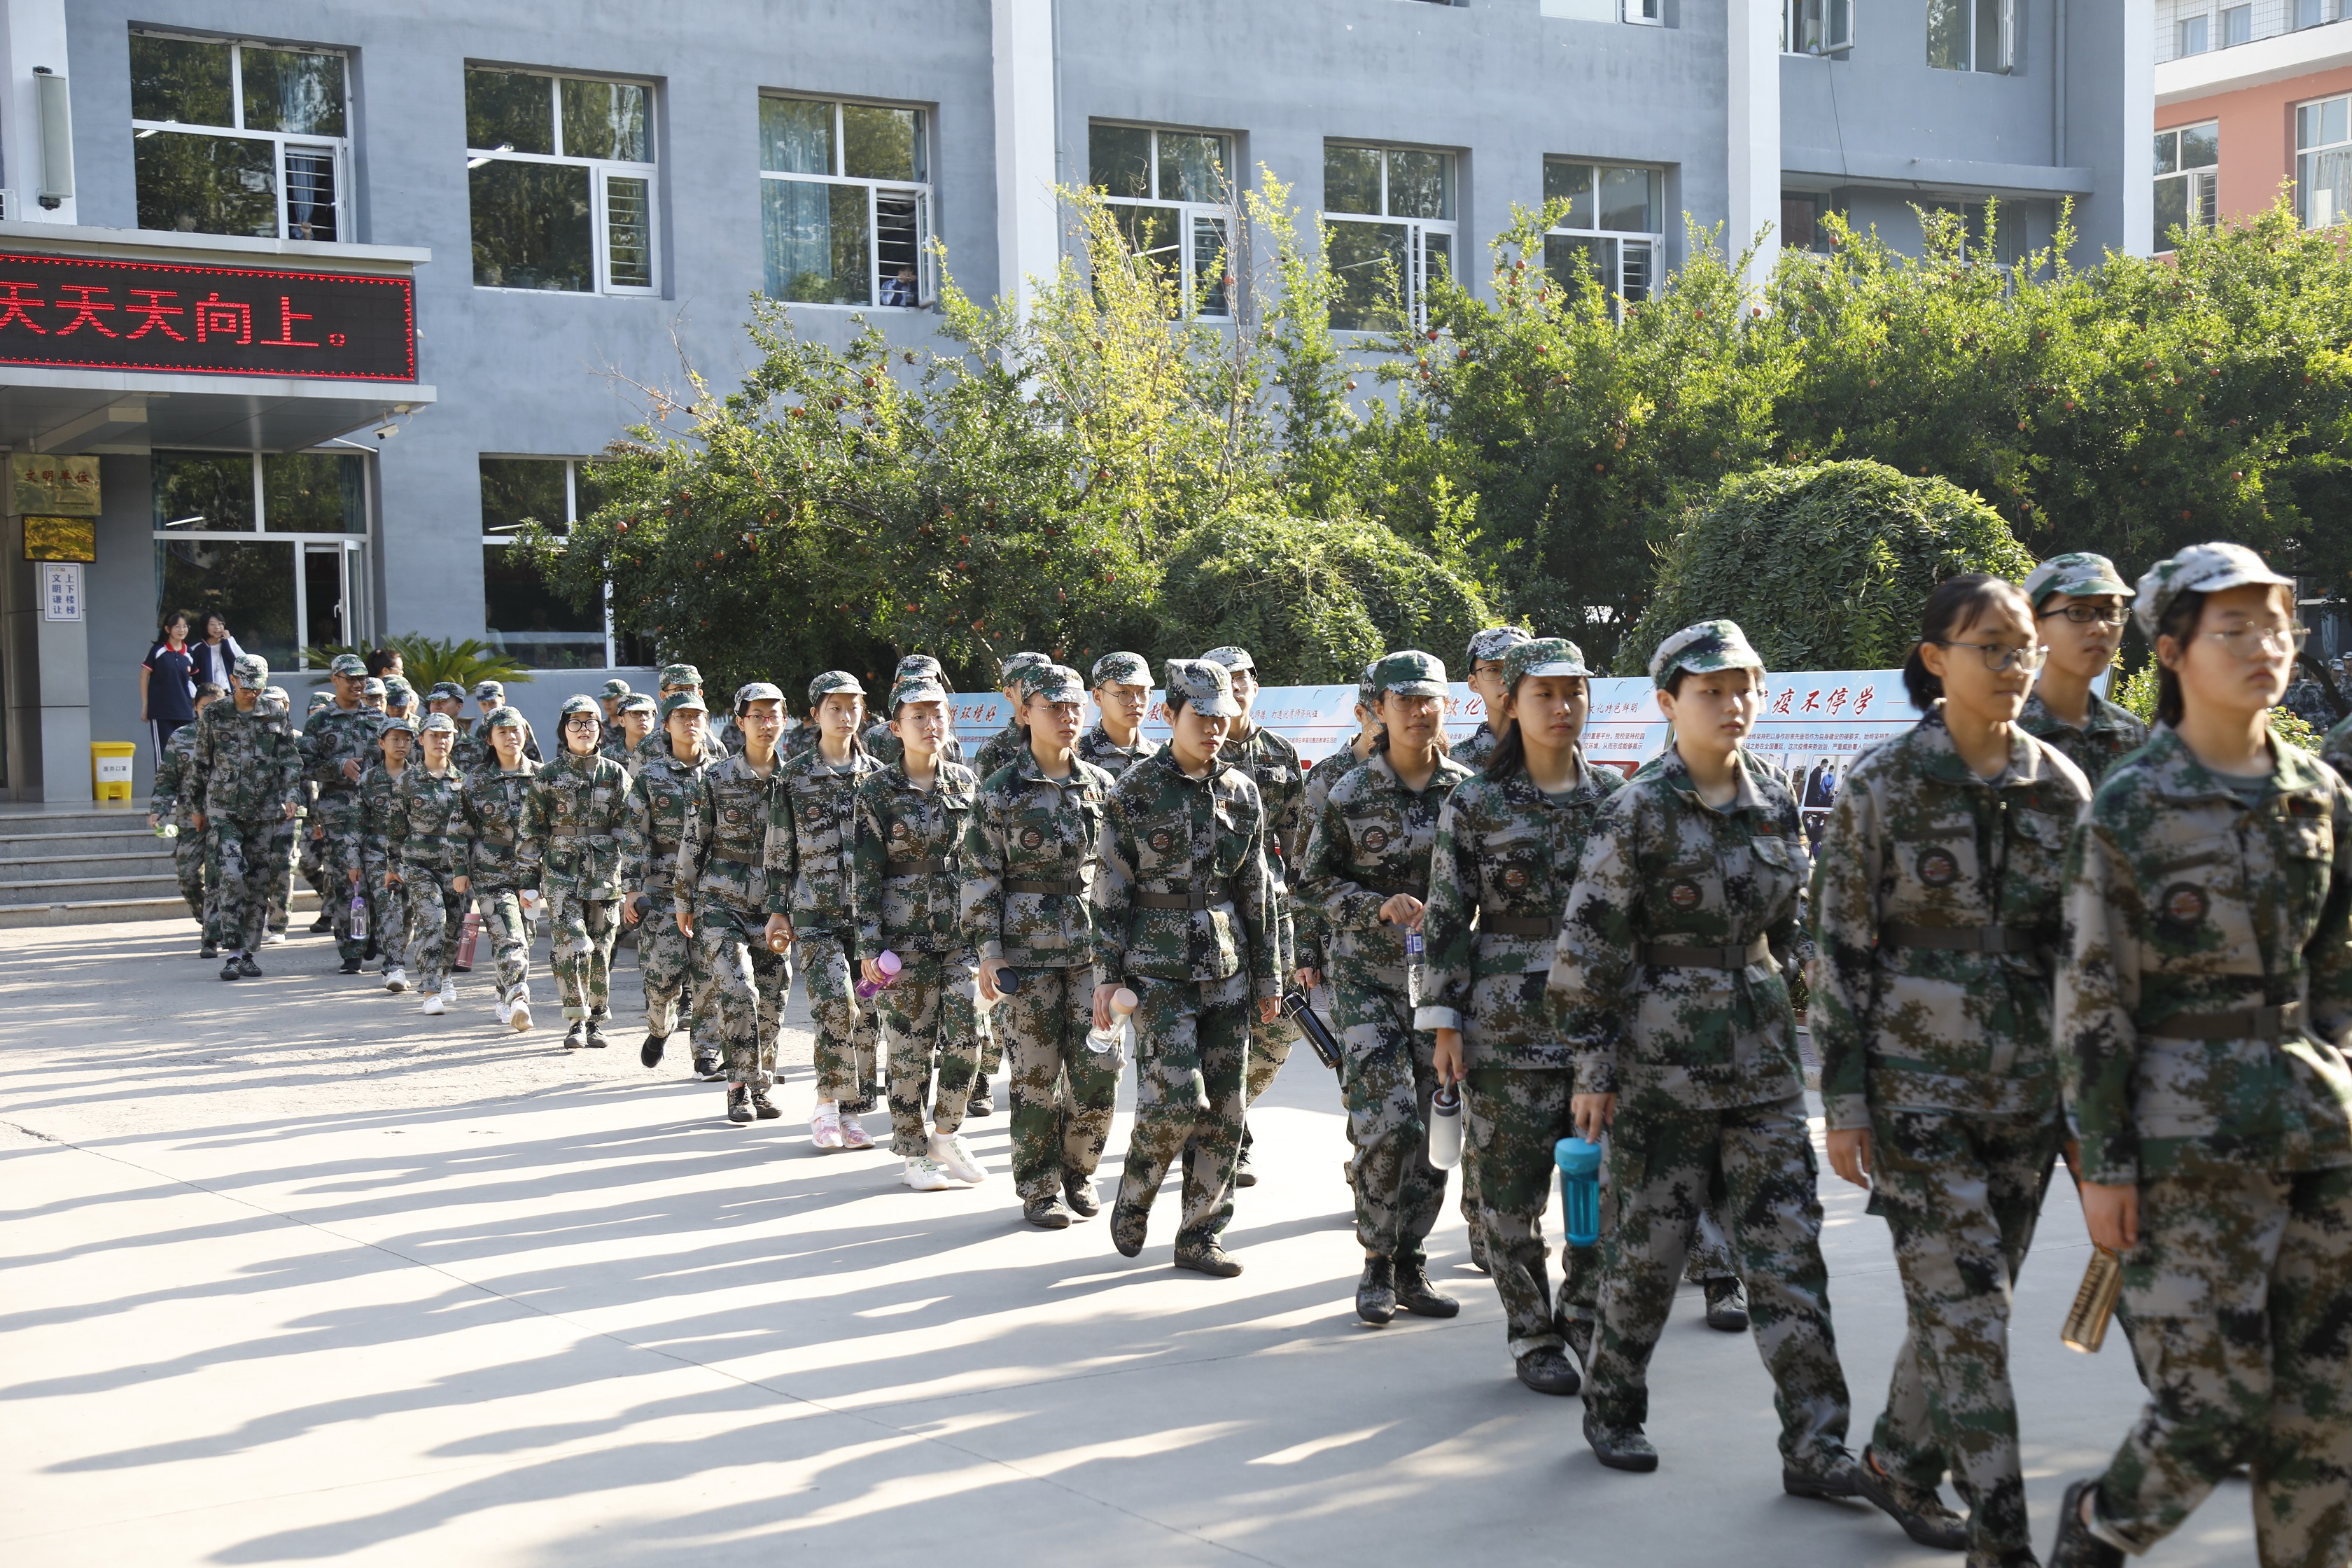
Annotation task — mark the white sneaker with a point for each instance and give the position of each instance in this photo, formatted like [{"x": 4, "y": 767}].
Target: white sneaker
[
  {"x": 924, "y": 1176},
  {"x": 503, "y": 1007},
  {"x": 449, "y": 993},
  {"x": 519, "y": 1010},
  {"x": 852, "y": 1133},
  {"x": 395, "y": 980},
  {"x": 434, "y": 1006},
  {"x": 952, "y": 1155},
  {"x": 825, "y": 1125},
  {"x": 275, "y": 939}
]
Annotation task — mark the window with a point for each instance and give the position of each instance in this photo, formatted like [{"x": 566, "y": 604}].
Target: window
[
  {"x": 1800, "y": 221},
  {"x": 1816, "y": 27},
  {"x": 1172, "y": 196},
  {"x": 271, "y": 541},
  {"x": 1972, "y": 35},
  {"x": 844, "y": 203},
  {"x": 1646, "y": 13},
  {"x": 2007, "y": 248},
  {"x": 2311, "y": 13},
  {"x": 560, "y": 173},
  {"x": 2194, "y": 35},
  {"x": 1388, "y": 232},
  {"x": 2188, "y": 173},
  {"x": 238, "y": 138},
  {"x": 2237, "y": 25},
  {"x": 524, "y": 618},
  {"x": 1610, "y": 235},
  {"x": 2323, "y": 164}
]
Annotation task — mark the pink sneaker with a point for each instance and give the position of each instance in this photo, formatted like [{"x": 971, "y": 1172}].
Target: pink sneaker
[
  {"x": 852, "y": 1133},
  {"x": 825, "y": 1125}
]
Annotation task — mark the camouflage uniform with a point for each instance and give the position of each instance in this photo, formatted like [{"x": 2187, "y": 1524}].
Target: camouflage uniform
[
  {"x": 498, "y": 803},
  {"x": 387, "y": 905},
  {"x": 659, "y": 797},
  {"x": 1272, "y": 763},
  {"x": 999, "y": 750},
  {"x": 172, "y": 779},
  {"x": 906, "y": 879},
  {"x": 331, "y": 738},
  {"x": 245, "y": 772},
  {"x": 2109, "y": 734},
  {"x": 2336, "y": 751},
  {"x": 1097, "y": 748},
  {"x": 1029, "y": 857},
  {"x": 1476, "y": 750},
  {"x": 812, "y": 829},
  {"x": 571, "y": 852},
  {"x": 430, "y": 835},
  {"x": 1184, "y": 916},
  {"x": 1936, "y": 905},
  {"x": 883, "y": 746},
  {"x": 721, "y": 888}
]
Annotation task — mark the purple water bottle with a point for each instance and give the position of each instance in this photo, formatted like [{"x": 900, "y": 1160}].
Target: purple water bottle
[{"x": 889, "y": 965}]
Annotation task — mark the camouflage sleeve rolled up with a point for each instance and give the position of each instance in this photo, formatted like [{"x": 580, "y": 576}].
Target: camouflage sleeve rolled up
[
  {"x": 1845, "y": 970},
  {"x": 1446, "y": 931},
  {"x": 1595, "y": 957}
]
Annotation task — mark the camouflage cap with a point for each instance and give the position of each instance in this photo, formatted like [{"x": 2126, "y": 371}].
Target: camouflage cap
[
  {"x": 831, "y": 681},
  {"x": 1411, "y": 673},
  {"x": 349, "y": 665},
  {"x": 1707, "y": 647},
  {"x": 401, "y": 724},
  {"x": 681, "y": 675},
  {"x": 683, "y": 702},
  {"x": 491, "y": 691},
  {"x": 438, "y": 724},
  {"x": 1010, "y": 674},
  {"x": 504, "y": 719},
  {"x": 277, "y": 694},
  {"x": 1054, "y": 682},
  {"x": 915, "y": 688},
  {"x": 446, "y": 691},
  {"x": 2079, "y": 573},
  {"x": 373, "y": 686},
  {"x": 1367, "y": 691},
  {"x": 752, "y": 692},
  {"x": 252, "y": 671},
  {"x": 2200, "y": 569},
  {"x": 1235, "y": 659},
  {"x": 1122, "y": 670},
  {"x": 917, "y": 664},
  {"x": 320, "y": 699},
  {"x": 1207, "y": 689},
  {"x": 1497, "y": 641},
  {"x": 613, "y": 688},
  {"x": 393, "y": 686},
  {"x": 1542, "y": 656},
  {"x": 576, "y": 704},
  {"x": 637, "y": 702}
]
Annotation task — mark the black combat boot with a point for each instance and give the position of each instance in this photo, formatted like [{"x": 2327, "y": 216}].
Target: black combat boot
[
  {"x": 1376, "y": 1293},
  {"x": 1416, "y": 1295}
]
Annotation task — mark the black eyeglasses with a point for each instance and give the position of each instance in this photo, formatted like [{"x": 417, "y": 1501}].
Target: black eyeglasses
[{"x": 2084, "y": 615}]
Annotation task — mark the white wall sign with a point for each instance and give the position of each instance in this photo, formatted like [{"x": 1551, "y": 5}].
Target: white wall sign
[{"x": 61, "y": 590}]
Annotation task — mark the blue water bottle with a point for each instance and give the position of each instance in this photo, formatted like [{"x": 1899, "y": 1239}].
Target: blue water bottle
[{"x": 1579, "y": 1188}]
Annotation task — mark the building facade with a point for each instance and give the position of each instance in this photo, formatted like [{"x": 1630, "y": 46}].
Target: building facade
[
  {"x": 469, "y": 242},
  {"x": 2252, "y": 104}
]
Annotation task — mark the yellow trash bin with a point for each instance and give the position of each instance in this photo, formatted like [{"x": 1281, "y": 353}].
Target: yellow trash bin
[{"x": 110, "y": 762}]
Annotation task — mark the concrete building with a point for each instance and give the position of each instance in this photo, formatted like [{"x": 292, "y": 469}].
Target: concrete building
[
  {"x": 366, "y": 283},
  {"x": 2251, "y": 104}
]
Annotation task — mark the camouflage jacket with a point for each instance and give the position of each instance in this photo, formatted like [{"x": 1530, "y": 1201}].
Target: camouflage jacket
[
  {"x": 1167, "y": 836},
  {"x": 572, "y": 827},
  {"x": 907, "y": 872},
  {"x": 2109, "y": 733},
  {"x": 1506, "y": 855},
  {"x": 1272, "y": 765},
  {"x": 616, "y": 747},
  {"x": 1473, "y": 750},
  {"x": 375, "y": 816},
  {"x": 2181, "y": 899},
  {"x": 1664, "y": 869},
  {"x": 1029, "y": 863},
  {"x": 2336, "y": 751},
  {"x": 243, "y": 764},
  {"x": 427, "y": 824},
  {"x": 885, "y": 748},
  {"x": 499, "y": 803},
  {"x": 722, "y": 843},
  {"x": 659, "y": 798},
  {"x": 812, "y": 834},
  {"x": 1916, "y": 839},
  {"x": 1096, "y": 747},
  {"x": 1306, "y": 922},
  {"x": 333, "y": 737},
  {"x": 1373, "y": 840},
  {"x": 171, "y": 774},
  {"x": 657, "y": 745},
  {"x": 1000, "y": 749},
  {"x": 471, "y": 752}
]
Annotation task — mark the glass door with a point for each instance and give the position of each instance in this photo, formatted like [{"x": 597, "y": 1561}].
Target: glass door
[{"x": 324, "y": 594}]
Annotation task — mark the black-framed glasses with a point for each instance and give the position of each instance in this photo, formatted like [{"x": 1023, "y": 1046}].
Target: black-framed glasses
[
  {"x": 2028, "y": 658},
  {"x": 2085, "y": 615}
]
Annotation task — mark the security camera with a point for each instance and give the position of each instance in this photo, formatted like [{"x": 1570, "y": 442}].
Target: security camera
[{"x": 387, "y": 432}]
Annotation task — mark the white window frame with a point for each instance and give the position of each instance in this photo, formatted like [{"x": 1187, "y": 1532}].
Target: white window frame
[
  {"x": 1834, "y": 18},
  {"x": 2305, "y": 190},
  {"x": 926, "y": 267},
  {"x": 2202, "y": 182},
  {"x": 1418, "y": 230},
  {"x": 337, "y": 148},
  {"x": 602, "y": 172},
  {"x": 2242, "y": 14},
  {"x": 1189, "y": 215},
  {"x": 2004, "y": 42},
  {"x": 570, "y": 517},
  {"x": 1646, "y": 13},
  {"x": 2203, "y": 22},
  {"x": 353, "y": 547},
  {"x": 2329, "y": 11},
  {"x": 1622, "y": 242}
]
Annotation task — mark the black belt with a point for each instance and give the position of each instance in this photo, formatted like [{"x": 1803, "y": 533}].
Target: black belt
[
  {"x": 1070, "y": 887},
  {"x": 1194, "y": 899},
  {"x": 1957, "y": 939},
  {"x": 1519, "y": 925},
  {"x": 1391, "y": 889},
  {"x": 2263, "y": 1023},
  {"x": 916, "y": 869},
  {"x": 1672, "y": 955}
]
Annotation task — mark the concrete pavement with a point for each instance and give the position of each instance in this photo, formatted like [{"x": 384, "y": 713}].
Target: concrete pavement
[{"x": 292, "y": 1274}]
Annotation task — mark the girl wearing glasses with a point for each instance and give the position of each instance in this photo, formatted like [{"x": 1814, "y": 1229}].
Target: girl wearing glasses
[
  {"x": 2206, "y": 985},
  {"x": 1937, "y": 907},
  {"x": 2078, "y": 617}
]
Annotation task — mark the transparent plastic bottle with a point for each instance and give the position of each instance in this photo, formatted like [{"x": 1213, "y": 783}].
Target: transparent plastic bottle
[
  {"x": 889, "y": 965},
  {"x": 359, "y": 917},
  {"x": 1579, "y": 1189}
]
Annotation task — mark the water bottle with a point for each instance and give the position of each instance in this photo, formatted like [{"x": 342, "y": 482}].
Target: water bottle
[
  {"x": 167, "y": 830},
  {"x": 1319, "y": 1038},
  {"x": 469, "y": 936},
  {"x": 1445, "y": 1127},
  {"x": 1413, "y": 952},
  {"x": 1579, "y": 1188},
  {"x": 889, "y": 965},
  {"x": 359, "y": 917},
  {"x": 1008, "y": 984},
  {"x": 1104, "y": 1042}
]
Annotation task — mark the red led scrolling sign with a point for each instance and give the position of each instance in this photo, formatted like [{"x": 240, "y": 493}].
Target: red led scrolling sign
[{"x": 209, "y": 321}]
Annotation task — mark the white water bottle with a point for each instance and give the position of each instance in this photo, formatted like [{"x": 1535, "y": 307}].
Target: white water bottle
[
  {"x": 1106, "y": 1042},
  {"x": 1445, "y": 1127}
]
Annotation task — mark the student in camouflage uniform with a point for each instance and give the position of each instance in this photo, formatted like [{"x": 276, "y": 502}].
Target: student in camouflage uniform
[
  {"x": 336, "y": 747},
  {"x": 1122, "y": 691},
  {"x": 1029, "y": 857},
  {"x": 310, "y": 859},
  {"x": 432, "y": 843},
  {"x": 1486, "y": 677},
  {"x": 609, "y": 697},
  {"x": 247, "y": 779},
  {"x": 880, "y": 744},
  {"x": 675, "y": 678},
  {"x": 173, "y": 800},
  {"x": 2078, "y": 609},
  {"x": 637, "y": 724},
  {"x": 1509, "y": 841},
  {"x": 812, "y": 830},
  {"x": 721, "y": 896},
  {"x": 1370, "y": 736},
  {"x": 489, "y": 696},
  {"x": 571, "y": 852},
  {"x": 659, "y": 797},
  {"x": 906, "y": 879},
  {"x": 497, "y": 801},
  {"x": 1668, "y": 980},
  {"x": 1184, "y": 918},
  {"x": 2201, "y": 1001},
  {"x": 387, "y": 908},
  {"x": 285, "y": 837},
  {"x": 1936, "y": 905},
  {"x": 1009, "y": 742},
  {"x": 449, "y": 698},
  {"x": 1366, "y": 870}
]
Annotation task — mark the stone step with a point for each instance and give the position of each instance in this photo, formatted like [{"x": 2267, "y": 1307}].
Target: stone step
[
  {"x": 110, "y": 911},
  {"x": 117, "y": 840},
  {"x": 136, "y": 863},
  {"x": 111, "y": 889}
]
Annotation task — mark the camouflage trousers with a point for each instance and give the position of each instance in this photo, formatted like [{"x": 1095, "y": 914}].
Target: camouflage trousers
[
  {"x": 666, "y": 963},
  {"x": 1191, "y": 1048},
  {"x": 1961, "y": 1193},
  {"x": 246, "y": 848},
  {"x": 280, "y": 856},
  {"x": 337, "y": 856},
  {"x": 1063, "y": 1095},
  {"x": 388, "y": 918},
  {"x": 1754, "y": 1166},
  {"x": 927, "y": 1023},
  {"x": 435, "y": 915},
  {"x": 2237, "y": 1292},
  {"x": 740, "y": 1017},
  {"x": 510, "y": 934},
  {"x": 1388, "y": 1075},
  {"x": 190, "y": 852},
  {"x": 847, "y": 1032},
  {"x": 1515, "y": 1115},
  {"x": 991, "y": 1044},
  {"x": 580, "y": 937}
]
